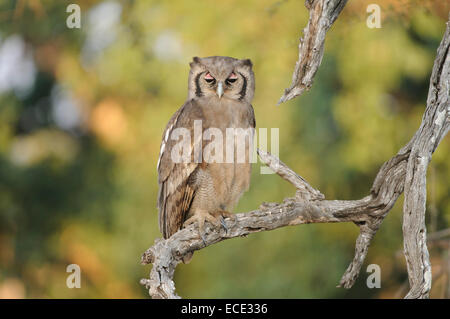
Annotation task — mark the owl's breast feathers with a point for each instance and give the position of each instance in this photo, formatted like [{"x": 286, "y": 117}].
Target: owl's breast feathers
[{"x": 177, "y": 187}]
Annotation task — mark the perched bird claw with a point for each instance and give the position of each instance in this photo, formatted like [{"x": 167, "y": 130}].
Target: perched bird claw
[
  {"x": 216, "y": 218},
  {"x": 224, "y": 225},
  {"x": 202, "y": 236}
]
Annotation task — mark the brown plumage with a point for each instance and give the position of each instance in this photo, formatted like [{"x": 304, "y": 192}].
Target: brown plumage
[{"x": 198, "y": 189}]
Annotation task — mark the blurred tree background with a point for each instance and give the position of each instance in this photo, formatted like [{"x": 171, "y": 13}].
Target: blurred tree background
[{"x": 82, "y": 113}]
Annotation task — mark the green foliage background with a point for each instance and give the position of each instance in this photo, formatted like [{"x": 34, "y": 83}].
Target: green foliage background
[{"x": 85, "y": 193}]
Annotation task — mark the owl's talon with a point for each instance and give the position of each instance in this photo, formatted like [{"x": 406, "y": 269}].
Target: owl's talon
[
  {"x": 224, "y": 225},
  {"x": 200, "y": 218},
  {"x": 230, "y": 216},
  {"x": 202, "y": 236},
  {"x": 222, "y": 214},
  {"x": 216, "y": 218}
]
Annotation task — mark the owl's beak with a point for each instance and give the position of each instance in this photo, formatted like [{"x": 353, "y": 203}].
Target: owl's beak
[{"x": 220, "y": 89}]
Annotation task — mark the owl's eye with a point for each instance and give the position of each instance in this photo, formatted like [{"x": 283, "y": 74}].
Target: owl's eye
[
  {"x": 232, "y": 78},
  {"x": 209, "y": 78}
]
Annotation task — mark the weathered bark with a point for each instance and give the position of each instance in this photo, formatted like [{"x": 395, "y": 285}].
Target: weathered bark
[
  {"x": 322, "y": 14},
  {"x": 405, "y": 171},
  {"x": 435, "y": 125}
]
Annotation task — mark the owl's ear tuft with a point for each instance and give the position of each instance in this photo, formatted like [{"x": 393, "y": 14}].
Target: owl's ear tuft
[
  {"x": 195, "y": 60},
  {"x": 247, "y": 62}
]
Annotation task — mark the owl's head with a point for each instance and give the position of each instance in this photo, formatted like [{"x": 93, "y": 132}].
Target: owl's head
[{"x": 223, "y": 77}]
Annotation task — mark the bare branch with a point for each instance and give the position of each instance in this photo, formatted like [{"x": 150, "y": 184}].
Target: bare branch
[
  {"x": 322, "y": 14},
  {"x": 304, "y": 190},
  {"x": 367, "y": 212},
  {"x": 435, "y": 124},
  {"x": 406, "y": 170}
]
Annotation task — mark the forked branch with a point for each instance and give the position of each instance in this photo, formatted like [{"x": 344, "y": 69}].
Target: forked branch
[{"x": 406, "y": 171}]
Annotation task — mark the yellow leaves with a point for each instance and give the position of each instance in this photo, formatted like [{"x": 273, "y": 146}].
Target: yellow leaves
[
  {"x": 122, "y": 66},
  {"x": 6, "y": 133},
  {"x": 366, "y": 109},
  {"x": 129, "y": 89},
  {"x": 426, "y": 25},
  {"x": 381, "y": 57},
  {"x": 369, "y": 128},
  {"x": 93, "y": 251},
  {"x": 78, "y": 253},
  {"x": 7, "y": 252},
  {"x": 109, "y": 123},
  {"x": 33, "y": 148},
  {"x": 47, "y": 56},
  {"x": 12, "y": 288}
]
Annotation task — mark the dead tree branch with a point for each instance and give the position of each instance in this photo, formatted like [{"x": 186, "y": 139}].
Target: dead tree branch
[
  {"x": 406, "y": 171},
  {"x": 322, "y": 14},
  {"x": 435, "y": 125}
]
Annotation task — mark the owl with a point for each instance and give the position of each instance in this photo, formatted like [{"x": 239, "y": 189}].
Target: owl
[{"x": 208, "y": 182}]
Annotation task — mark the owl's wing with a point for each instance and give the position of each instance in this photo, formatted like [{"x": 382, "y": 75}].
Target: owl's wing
[
  {"x": 175, "y": 191},
  {"x": 251, "y": 117}
]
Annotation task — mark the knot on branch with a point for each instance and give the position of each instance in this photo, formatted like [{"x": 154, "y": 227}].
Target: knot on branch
[{"x": 147, "y": 257}]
